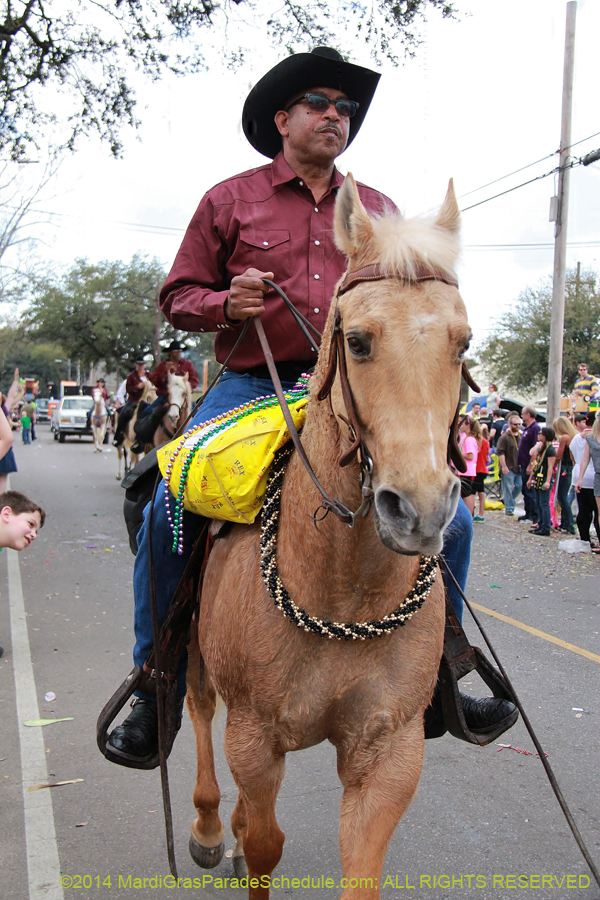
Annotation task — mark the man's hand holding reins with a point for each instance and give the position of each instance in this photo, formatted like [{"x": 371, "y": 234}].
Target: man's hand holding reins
[{"x": 246, "y": 295}]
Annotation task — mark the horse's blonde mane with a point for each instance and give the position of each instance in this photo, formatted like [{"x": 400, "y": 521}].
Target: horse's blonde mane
[
  {"x": 405, "y": 245},
  {"x": 401, "y": 246}
]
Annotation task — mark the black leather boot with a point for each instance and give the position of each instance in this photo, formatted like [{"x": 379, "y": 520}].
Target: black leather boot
[
  {"x": 136, "y": 740},
  {"x": 486, "y": 714},
  {"x": 481, "y": 715}
]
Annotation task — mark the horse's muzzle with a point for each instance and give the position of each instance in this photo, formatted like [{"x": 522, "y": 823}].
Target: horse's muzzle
[{"x": 407, "y": 527}]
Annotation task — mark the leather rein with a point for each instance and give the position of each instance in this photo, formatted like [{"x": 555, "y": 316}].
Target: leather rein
[{"x": 337, "y": 363}]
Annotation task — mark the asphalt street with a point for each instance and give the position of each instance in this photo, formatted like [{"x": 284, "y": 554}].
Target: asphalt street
[{"x": 484, "y": 823}]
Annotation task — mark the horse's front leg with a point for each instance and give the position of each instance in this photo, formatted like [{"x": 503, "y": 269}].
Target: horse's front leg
[
  {"x": 380, "y": 778},
  {"x": 258, "y": 770},
  {"x": 206, "y": 841}
]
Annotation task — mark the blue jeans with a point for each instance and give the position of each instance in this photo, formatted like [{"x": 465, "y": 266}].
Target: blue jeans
[
  {"x": 511, "y": 488},
  {"x": 531, "y": 509},
  {"x": 234, "y": 390},
  {"x": 542, "y": 499},
  {"x": 27, "y": 435},
  {"x": 457, "y": 553},
  {"x": 161, "y": 401},
  {"x": 562, "y": 495}
]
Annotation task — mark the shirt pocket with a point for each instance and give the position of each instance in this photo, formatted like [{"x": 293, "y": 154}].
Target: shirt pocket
[{"x": 266, "y": 250}]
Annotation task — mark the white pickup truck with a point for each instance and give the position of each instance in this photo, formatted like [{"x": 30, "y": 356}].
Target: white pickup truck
[{"x": 72, "y": 417}]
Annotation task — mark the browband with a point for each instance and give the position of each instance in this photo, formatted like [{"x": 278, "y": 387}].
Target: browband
[{"x": 375, "y": 273}]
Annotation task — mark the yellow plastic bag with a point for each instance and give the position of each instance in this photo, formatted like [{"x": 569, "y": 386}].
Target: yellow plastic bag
[{"x": 226, "y": 476}]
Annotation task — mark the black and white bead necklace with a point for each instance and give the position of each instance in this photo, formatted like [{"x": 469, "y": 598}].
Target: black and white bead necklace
[{"x": 349, "y": 631}]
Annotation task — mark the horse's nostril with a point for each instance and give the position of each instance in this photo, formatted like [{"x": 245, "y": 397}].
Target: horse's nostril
[
  {"x": 395, "y": 509},
  {"x": 455, "y": 494}
]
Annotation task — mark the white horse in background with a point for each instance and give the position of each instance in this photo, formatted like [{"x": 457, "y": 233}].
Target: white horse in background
[{"x": 99, "y": 419}]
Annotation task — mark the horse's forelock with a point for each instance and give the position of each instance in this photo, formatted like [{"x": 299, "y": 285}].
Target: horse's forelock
[{"x": 405, "y": 246}]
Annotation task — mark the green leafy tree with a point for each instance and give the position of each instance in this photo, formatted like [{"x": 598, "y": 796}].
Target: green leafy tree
[
  {"x": 517, "y": 352},
  {"x": 100, "y": 312},
  {"x": 86, "y": 52},
  {"x": 34, "y": 360}
]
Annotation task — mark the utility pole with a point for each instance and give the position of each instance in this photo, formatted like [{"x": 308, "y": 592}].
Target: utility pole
[{"x": 557, "y": 323}]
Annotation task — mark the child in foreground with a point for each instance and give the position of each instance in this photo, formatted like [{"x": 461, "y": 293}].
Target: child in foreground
[{"x": 20, "y": 521}]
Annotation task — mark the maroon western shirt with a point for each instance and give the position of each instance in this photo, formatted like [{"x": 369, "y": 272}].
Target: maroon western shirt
[
  {"x": 266, "y": 219},
  {"x": 135, "y": 386},
  {"x": 160, "y": 376}
]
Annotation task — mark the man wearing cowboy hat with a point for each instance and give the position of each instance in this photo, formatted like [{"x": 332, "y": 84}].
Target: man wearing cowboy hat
[
  {"x": 275, "y": 221},
  {"x": 174, "y": 364}
]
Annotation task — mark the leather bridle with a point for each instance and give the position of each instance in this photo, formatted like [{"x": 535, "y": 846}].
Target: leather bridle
[
  {"x": 181, "y": 408},
  {"x": 337, "y": 363}
]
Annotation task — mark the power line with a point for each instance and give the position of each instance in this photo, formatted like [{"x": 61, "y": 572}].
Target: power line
[
  {"x": 528, "y": 166},
  {"x": 571, "y": 165},
  {"x": 502, "y": 177},
  {"x": 135, "y": 226},
  {"x": 529, "y": 246},
  {"x": 510, "y": 190}
]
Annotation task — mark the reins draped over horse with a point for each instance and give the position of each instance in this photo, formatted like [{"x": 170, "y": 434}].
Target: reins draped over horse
[{"x": 404, "y": 337}]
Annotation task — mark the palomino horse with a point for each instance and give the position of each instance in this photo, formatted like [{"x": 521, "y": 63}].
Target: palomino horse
[
  {"x": 180, "y": 404},
  {"x": 130, "y": 460},
  {"x": 404, "y": 331},
  {"x": 99, "y": 419}
]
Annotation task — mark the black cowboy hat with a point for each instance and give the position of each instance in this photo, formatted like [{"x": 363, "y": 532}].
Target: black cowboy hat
[
  {"x": 322, "y": 67},
  {"x": 139, "y": 360},
  {"x": 174, "y": 345}
]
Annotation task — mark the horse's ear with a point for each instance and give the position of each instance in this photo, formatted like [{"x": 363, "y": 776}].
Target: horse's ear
[
  {"x": 186, "y": 377},
  {"x": 449, "y": 214},
  {"x": 352, "y": 226}
]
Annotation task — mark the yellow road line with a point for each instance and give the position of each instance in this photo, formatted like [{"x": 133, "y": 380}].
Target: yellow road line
[{"x": 537, "y": 632}]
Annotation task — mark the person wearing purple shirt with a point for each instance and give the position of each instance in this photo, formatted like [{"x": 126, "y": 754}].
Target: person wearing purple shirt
[{"x": 528, "y": 440}]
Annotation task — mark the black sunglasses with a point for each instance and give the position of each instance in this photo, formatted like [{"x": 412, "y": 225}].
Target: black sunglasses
[{"x": 321, "y": 103}]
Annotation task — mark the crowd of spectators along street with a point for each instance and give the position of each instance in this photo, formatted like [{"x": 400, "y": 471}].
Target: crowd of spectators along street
[{"x": 552, "y": 467}]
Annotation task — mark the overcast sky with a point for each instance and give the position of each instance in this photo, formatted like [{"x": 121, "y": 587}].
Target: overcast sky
[{"x": 481, "y": 99}]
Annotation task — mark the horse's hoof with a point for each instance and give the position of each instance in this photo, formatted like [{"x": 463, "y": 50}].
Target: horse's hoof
[
  {"x": 239, "y": 866},
  {"x": 206, "y": 857}
]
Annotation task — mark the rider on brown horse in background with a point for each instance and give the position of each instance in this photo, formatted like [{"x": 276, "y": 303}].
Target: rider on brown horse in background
[
  {"x": 174, "y": 364},
  {"x": 134, "y": 387},
  {"x": 275, "y": 221}
]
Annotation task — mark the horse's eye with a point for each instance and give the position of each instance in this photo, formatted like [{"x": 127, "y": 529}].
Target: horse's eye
[
  {"x": 358, "y": 345},
  {"x": 464, "y": 350}
]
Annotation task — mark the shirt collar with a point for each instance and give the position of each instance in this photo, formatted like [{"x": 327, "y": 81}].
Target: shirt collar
[{"x": 282, "y": 173}]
